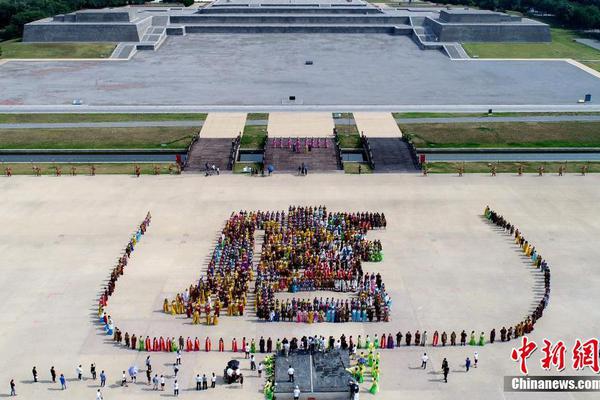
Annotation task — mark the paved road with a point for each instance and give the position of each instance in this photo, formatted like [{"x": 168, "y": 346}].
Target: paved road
[{"x": 157, "y": 109}]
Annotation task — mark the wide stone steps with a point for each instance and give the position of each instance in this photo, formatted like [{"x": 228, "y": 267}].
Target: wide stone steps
[
  {"x": 211, "y": 151},
  {"x": 319, "y": 159},
  {"x": 291, "y": 28},
  {"x": 392, "y": 155},
  {"x": 288, "y": 19}
]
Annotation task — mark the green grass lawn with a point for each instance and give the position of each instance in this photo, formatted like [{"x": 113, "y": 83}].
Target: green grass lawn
[
  {"x": 17, "y": 49},
  {"x": 85, "y": 168},
  {"x": 257, "y": 116},
  {"x": 68, "y": 118},
  {"x": 352, "y": 168},
  {"x": 254, "y": 137},
  {"x": 98, "y": 138},
  {"x": 348, "y": 136},
  {"x": 510, "y": 167},
  {"x": 562, "y": 46},
  {"x": 505, "y": 134}
]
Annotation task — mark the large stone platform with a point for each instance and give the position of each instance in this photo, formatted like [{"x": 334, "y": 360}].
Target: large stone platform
[
  {"x": 271, "y": 16},
  {"x": 265, "y": 70}
]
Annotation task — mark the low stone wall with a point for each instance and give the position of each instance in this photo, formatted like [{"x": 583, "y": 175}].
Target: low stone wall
[
  {"x": 47, "y": 31},
  {"x": 288, "y": 10},
  {"x": 289, "y": 29},
  {"x": 490, "y": 32},
  {"x": 286, "y": 19},
  {"x": 476, "y": 16}
]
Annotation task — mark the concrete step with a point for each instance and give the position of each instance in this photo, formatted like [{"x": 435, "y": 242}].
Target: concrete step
[
  {"x": 211, "y": 151},
  {"x": 300, "y": 28},
  {"x": 392, "y": 155},
  {"x": 288, "y": 19},
  {"x": 318, "y": 159}
]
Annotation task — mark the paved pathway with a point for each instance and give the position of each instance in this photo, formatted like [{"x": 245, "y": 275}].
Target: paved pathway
[
  {"x": 223, "y": 125},
  {"x": 377, "y": 124},
  {"x": 300, "y": 124},
  {"x": 540, "y": 118},
  {"x": 153, "y": 109}
]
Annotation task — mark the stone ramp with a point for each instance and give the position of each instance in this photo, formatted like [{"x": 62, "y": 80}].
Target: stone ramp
[
  {"x": 223, "y": 125},
  {"x": 300, "y": 125},
  {"x": 377, "y": 125},
  {"x": 392, "y": 155},
  {"x": 321, "y": 158},
  {"x": 215, "y": 151}
]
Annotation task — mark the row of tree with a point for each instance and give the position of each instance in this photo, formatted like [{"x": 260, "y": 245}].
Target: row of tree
[{"x": 577, "y": 14}]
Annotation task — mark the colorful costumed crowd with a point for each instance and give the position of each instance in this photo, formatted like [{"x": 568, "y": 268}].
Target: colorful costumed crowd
[
  {"x": 307, "y": 247},
  {"x": 525, "y": 326}
]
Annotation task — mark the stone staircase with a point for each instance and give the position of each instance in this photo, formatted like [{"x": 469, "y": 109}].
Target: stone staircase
[
  {"x": 319, "y": 159},
  {"x": 392, "y": 155},
  {"x": 211, "y": 151}
]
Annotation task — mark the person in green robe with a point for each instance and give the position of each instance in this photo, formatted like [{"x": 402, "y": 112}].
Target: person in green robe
[
  {"x": 374, "y": 387},
  {"x": 252, "y": 346},
  {"x": 472, "y": 339},
  {"x": 375, "y": 375},
  {"x": 367, "y": 342},
  {"x": 376, "y": 342},
  {"x": 361, "y": 374},
  {"x": 481, "y": 339},
  {"x": 359, "y": 342},
  {"x": 174, "y": 345},
  {"x": 141, "y": 344},
  {"x": 278, "y": 346},
  {"x": 370, "y": 359}
]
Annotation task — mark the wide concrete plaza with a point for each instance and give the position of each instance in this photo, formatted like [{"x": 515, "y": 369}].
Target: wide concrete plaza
[
  {"x": 445, "y": 267},
  {"x": 266, "y": 69}
]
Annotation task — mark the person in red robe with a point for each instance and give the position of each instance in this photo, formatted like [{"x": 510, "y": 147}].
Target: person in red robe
[
  {"x": 188, "y": 344},
  {"x": 207, "y": 344},
  {"x": 436, "y": 337},
  {"x": 221, "y": 345},
  {"x": 169, "y": 349},
  {"x": 148, "y": 344},
  {"x": 155, "y": 346},
  {"x": 163, "y": 346},
  {"x": 234, "y": 346},
  {"x": 383, "y": 343},
  {"x": 243, "y": 348},
  {"x": 196, "y": 344}
]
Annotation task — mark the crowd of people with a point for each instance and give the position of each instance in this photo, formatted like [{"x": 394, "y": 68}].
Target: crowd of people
[
  {"x": 117, "y": 272},
  {"x": 529, "y": 250},
  {"x": 305, "y": 249},
  {"x": 309, "y": 249}
]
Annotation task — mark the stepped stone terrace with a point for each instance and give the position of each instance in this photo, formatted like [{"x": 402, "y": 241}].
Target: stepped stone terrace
[{"x": 145, "y": 28}]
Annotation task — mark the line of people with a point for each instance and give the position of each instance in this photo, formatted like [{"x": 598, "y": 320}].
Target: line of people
[{"x": 526, "y": 325}]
